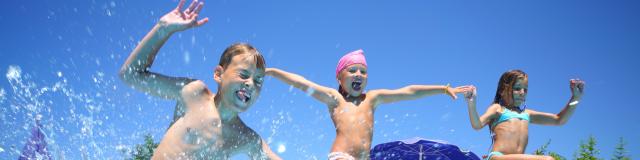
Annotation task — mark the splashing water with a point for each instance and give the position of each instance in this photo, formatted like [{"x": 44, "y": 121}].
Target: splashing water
[
  {"x": 2, "y": 94},
  {"x": 72, "y": 121}
]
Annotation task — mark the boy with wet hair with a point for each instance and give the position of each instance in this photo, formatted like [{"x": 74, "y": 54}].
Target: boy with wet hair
[{"x": 206, "y": 125}]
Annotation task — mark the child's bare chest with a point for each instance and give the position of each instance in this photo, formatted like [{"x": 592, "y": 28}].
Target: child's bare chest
[{"x": 358, "y": 116}]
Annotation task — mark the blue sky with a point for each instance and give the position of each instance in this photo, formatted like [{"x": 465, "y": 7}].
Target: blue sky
[{"x": 78, "y": 46}]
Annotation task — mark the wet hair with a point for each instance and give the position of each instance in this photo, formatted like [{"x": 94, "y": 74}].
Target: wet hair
[
  {"x": 504, "y": 94},
  {"x": 238, "y": 49},
  {"x": 342, "y": 91}
]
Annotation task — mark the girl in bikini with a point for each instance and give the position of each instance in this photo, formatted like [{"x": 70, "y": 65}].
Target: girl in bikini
[{"x": 508, "y": 117}]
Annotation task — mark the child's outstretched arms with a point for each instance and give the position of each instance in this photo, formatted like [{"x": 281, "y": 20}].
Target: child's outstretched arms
[
  {"x": 415, "y": 92},
  {"x": 135, "y": 71},
  {"x": 324, "y": 94},
  {"x": 577, "y": 89}
]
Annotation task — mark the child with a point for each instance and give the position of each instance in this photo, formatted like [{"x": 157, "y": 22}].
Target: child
[
  {"x": 509, "y": 118},
  {"x": 209, "y": 126},
  {"x": 351, "y": 109}
]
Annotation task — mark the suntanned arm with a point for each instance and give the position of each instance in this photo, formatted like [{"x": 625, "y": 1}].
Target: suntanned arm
[
  {"x": 479, "y": 122},
  {"x": 324, "y": 94},
  {"x": 414, "y": 92},
  {"x": 577, "y": 88},
  {"x": 135, "y": 71}
]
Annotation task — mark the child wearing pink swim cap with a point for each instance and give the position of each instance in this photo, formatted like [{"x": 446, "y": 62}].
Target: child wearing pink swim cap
[{"x": 351, "y": 108}]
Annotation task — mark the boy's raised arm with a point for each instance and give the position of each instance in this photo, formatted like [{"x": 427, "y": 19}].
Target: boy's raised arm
[
  {"x": 135, "y": 71},
  {"x": 324, "y": 94}
]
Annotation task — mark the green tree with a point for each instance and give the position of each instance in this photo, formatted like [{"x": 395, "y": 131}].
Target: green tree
[
  {"x": 543, "y": 151},
  {"x": 557, "y": 156},
  {"x": 620, "y": 152},
  {"x": 588, "y": 151},
  {"x": 145, "y": 151}
]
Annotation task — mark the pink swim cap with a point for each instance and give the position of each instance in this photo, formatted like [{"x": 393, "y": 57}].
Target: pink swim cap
[{"x": 355, "y": 57}]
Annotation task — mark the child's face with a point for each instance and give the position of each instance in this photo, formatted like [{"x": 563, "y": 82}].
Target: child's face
[
  {"x": 519, "y": 92},
  {"x": 241, "y": 82},
  {"x": 353, "y": 79}
]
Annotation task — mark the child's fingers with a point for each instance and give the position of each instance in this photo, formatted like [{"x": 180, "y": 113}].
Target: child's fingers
[
  {"x": 203, "y": 21},
  {"x": 199, "y": 7},
  {"x": 191, "y": 7},
  {"x": 194, "y": 15},
  {"x": 180, "y": 4},
  {"x": 452, "y": 94}
]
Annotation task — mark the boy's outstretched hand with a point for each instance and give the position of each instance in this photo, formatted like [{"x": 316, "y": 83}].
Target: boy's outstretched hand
[{"x": 178, "y": 20}]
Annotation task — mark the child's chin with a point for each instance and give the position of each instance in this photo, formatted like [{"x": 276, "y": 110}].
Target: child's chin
[
  {"x": 242, "y": 106},
  {"x": 239, "y": 108},
  {"x": 518, "y": 103},
  {"x": 355, "y": 93}
]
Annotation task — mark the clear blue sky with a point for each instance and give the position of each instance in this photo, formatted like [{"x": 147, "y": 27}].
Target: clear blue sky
[{"x": 79, "y": 45}]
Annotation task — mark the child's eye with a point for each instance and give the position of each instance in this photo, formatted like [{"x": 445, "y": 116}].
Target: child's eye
[
  {"x": 244, "y": 76},
  {"x": 352, "y": 70},
  {"x": 363, "y": 71},
  {"x": 258, "y": 80}
]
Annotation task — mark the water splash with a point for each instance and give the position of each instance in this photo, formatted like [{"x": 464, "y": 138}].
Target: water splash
[
  {"x": 70, "y": 119},
  {"x": 2, "y": 95}
]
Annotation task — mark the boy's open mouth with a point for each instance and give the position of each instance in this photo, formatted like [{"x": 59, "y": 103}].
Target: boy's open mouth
[
  {"x": 356, "y": 84},
  {"x": 243, "y": 95}
]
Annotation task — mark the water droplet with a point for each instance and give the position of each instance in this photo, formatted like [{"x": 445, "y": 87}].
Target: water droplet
[
  {"x": 310, "y": 91},
  {"x": 89, "y": 31},
  {"x": 2, "y": 94},
  {"x": 59, "y": 74},
  {"x": 193, "y": 40},
  {"x": 187, "y": 58},
  {"x": 14, "y": 73},
  {"x": 282, "y": 148}
]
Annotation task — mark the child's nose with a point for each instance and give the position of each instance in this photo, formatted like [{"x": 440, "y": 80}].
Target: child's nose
[{"x": 248, "y": 83}]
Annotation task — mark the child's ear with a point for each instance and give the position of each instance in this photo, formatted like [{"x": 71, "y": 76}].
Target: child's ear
[{"x": 217, "y": 74}]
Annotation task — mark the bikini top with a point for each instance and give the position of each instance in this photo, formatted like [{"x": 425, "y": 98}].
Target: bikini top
[{"x": 507, "y": 114}]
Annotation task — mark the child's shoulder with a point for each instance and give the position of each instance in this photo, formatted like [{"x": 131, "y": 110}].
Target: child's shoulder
[
  {"x": 375, "y": 92},
  {"x": 495, "y": 107},
  {"x": 196, "y": 88}
]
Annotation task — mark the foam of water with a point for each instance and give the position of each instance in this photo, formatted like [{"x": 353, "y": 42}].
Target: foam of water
[{"x": 75, "y": 121}]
